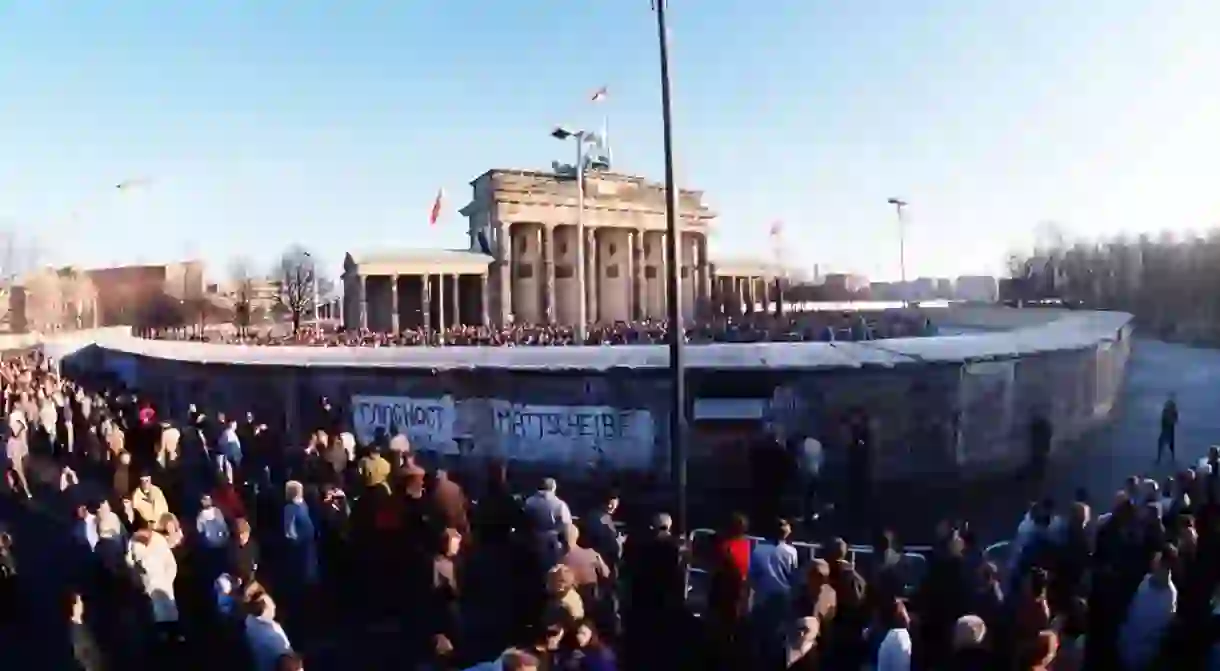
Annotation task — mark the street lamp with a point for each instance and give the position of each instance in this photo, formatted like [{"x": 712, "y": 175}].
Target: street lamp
[
  {"x": 677, "y": 332},
  {"x": 899, "y": 204},
  {"x": 581, "y": 137}
]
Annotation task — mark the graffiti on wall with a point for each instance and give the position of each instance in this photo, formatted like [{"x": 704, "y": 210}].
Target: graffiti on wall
[
  {"x": 582, "y": 435},
  {"x": 426, "y": 422}
]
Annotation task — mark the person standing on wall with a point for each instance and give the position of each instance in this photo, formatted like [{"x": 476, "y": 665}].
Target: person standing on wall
[{"x": 1169, "y": 427}]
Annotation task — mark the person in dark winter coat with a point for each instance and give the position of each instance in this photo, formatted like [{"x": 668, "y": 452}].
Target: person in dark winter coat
[{"x": 9, "y": 606}]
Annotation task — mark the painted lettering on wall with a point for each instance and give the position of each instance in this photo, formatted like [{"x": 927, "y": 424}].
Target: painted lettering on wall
[
  {"x": 427, "y": 422},
  {"x": 574, "y": 434}
]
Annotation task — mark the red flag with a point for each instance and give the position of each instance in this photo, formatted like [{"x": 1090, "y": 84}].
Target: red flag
[
  {"x": 436, "y": 207},
  {"x": 599, "y": 95}
]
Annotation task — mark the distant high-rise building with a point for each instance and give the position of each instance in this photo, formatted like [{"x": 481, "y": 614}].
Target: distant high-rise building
[
  {"x": 53, "y": 299},
  {"x": 847, "y": 283},
  {"x": 125, "y": 291},
  {"x": 982, "y": 288},
  {"x": 884, "y": 291}
]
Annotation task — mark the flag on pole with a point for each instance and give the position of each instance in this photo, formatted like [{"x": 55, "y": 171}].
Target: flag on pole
[
  {"x": 436, "y": 207},
  {"x": 599, "y": 95}
]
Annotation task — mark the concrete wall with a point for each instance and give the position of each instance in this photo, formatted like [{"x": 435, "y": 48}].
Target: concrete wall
[
  {"x": 919, "y": 412},
  {"x": 944, "y": 418}
]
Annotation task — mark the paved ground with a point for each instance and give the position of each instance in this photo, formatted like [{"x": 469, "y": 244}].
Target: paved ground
[{"x": 1099, "y": 464}]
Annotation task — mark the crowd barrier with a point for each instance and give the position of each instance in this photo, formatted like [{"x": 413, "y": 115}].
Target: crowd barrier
[
  {"x": 945, "y": 406},
  {"x": 912, "y": 568}
]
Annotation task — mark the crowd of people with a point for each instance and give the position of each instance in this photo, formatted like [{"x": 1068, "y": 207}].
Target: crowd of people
[
  {"x": 210, "y": 541},
  {"x": 818, "y": 326}
]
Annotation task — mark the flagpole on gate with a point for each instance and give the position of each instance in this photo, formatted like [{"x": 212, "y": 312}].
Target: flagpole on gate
[{"x": 677, "y": 332}]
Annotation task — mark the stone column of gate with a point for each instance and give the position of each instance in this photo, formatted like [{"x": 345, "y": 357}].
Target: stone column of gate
[
  {"x": 456, "y": 303},
  {"x": 440, "y": 305},
  {"x": 663, "y": 275},
  {"x": 364, "y": 301},
  {"x": 504, "y": 266},
  {"x": 739, "y": 288},
  {"x": 548, "y": 269},
  {"x": 637, "y": 274},
  {"x": 592, "y": 279},
  {"x": 703, "y": 296},
  {"x": 483, "y": 307},
  {"x": 425, "y": 300},
  {"x": 394, "y": 304}
]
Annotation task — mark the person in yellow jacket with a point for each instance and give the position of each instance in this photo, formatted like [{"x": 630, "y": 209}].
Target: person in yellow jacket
[
  {"x": 149, "y": 501},
  {"x": 374, "y": 469}
]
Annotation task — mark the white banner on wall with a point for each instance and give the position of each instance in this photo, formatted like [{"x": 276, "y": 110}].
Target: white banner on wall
[
  {"x": 427, "y": 422},
  {"x": 573, "y": 434}
]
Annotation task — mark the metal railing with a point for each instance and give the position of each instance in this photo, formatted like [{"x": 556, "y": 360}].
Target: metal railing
[{"x": 913, "y": 567}]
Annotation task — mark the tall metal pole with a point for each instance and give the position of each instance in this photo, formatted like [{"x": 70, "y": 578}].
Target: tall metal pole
[
  {"x": 899, "y": 204},
  {"x": 582, "y": 310},
  {"x": 902, "y": 244},
  {"x": 677, "y": 332}
]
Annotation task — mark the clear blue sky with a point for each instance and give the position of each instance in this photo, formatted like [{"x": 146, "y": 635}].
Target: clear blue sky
[{"x": 333, "y": 124}]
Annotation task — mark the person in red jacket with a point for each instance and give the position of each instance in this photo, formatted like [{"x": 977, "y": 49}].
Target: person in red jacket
[
  {"x": 226, "y": 497},
  {"x": 729, "y": 592},
  {"x": 735, "y": 545}
]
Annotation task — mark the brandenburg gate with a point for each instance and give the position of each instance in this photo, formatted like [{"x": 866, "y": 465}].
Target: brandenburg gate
[{"x": 520, "y": 265}]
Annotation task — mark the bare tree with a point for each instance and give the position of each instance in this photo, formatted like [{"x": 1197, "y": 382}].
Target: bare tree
[
  {"x": 1171, "y": 283},
  {"x": 242, "y": 275},
  {"x": 17, "y": 256},
  {"x": 299, "y": 281}
]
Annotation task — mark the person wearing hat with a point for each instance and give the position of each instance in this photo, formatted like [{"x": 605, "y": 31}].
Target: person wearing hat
[{"x": 148, "y": 500}]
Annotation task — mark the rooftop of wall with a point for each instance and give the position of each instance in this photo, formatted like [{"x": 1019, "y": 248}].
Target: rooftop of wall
[
  {"x": 1075, "y": 330},
  {"x": 64, "y": 341}
]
